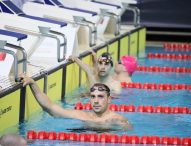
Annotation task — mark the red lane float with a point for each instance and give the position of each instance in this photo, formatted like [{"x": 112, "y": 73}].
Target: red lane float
[
  {"x": 154, "y": 86},
  {"x": 169, "y": 56},
  {"x": 108, "y": 138},
  {"x": 143, "y": 108},
  {"x": 177, "y": 46},
  {"x": 164, "y": 69}
]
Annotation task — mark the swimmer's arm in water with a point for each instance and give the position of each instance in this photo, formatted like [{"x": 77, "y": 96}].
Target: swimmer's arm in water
[
  {"x": 120, "y": 121},
  {"x": 45, "y": 102}
]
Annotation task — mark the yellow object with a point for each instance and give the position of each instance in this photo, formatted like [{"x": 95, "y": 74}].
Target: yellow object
[
  {"x": 134, "y": 44},
  {"x": 113, "y": 50},
  {"x": 54, "y": 87},
  {"x": 124, "y": 46},
  {"x": 72, "y": 78},
  {"x": 142, "y": 42},
  {"x": 9, "y": 110},
  {"x": 31, "y": 105},
  {"x": 88, "y": 61}
]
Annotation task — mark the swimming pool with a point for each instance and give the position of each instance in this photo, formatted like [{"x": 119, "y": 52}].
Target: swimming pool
[{"x": 143, "y": 123}]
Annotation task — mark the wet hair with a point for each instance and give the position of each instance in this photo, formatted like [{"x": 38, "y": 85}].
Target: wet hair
[
  {"x": 103, "y": 88},
  {"x": 108, "y": 57}
]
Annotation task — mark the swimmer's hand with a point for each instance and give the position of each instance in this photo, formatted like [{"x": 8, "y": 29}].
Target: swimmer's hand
[
  {"x": 93, "y": 52},
  {"x": 26, "y": 80},
  {"x": 72, "y": 58},
  {"x": 124, "y": 125}
]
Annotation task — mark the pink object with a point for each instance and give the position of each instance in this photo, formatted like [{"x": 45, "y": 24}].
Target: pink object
[{"x": 130, "y": 63}]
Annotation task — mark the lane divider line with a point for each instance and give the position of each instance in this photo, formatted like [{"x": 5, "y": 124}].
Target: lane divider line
[
  {"x": 154, "y": 86},
  {"x": 108, "y": 138},
  {"x": 140, "y": 108},
  {"x": 164, "y": 69},
  {"x": 183, "y": 47},
  {"x": 169, "y": 56}
]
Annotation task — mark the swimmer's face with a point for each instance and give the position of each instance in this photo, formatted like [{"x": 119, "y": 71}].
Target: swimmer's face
[
  {"x": 104, "y": 68},
  {"x": 99, "y": 100}
]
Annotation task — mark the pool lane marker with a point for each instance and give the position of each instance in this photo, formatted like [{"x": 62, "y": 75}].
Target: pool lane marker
[
  {"x": 164, "y": 69},
  {"x": 107, "y": 138},
  {"x": 140, "y": 108},
  {"x": 183, "y": 47},
  {"x": 154, "y": 86},
  {"x": 169, "y": 56}
]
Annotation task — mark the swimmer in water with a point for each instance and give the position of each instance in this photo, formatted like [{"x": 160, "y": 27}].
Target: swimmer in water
[
  {"x": 100, "y": 100},
  {"x": 125, "y": 68},
  {"x": 102, "y": 71}
]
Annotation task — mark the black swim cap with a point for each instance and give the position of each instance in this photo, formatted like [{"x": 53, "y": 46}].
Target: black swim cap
[{"x": 106, "y": 57}]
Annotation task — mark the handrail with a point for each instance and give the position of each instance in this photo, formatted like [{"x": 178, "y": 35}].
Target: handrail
[
  {"x": 43, "y": 32},
  {"x": 117, "y": 18},
  {"x": 135, "y": 11},
  {"x": 91, "y": 32},
  {"x": 63, "y": 44},
  {"x": 16, "y": 61}
]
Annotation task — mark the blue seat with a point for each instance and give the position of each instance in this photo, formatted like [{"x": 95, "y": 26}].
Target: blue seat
[
  {"x": 117, "y": 6},
  {"x": 19, "y": 36},
  {"x": 57, "y": 3},
  {"x": 8, "y": 4}
]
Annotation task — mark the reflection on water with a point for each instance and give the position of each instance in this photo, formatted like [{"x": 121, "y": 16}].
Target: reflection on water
[{"x": 97, "y": 127}]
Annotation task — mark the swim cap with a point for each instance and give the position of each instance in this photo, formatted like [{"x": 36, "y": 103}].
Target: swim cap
[
  {"x": 130, "y": 63},
  {"x": 105, "y": 57}
]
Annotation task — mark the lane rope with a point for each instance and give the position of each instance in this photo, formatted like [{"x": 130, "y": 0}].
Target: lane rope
[
  {"x": 108, "y": 138},
  {"x": 164, "y": 69},
  {"x": 169, "y": 56},
  {"x": 141, "y": 108},
  {"x": 183, "y": 47},
  {"x": 154, "y": 86}
]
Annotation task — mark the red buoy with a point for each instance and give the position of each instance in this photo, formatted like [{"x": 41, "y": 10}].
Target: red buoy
[
  {"x": 124, "y": 139},
  {"x": 42, "y": 135},
  {"x": 31, "y": 134},
  {"x": 51, "y": 136}
]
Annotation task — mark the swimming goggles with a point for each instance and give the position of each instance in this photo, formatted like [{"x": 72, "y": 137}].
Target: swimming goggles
[
  {"x": 92, "y": 89},
  {"x": 104, "y": 59}
]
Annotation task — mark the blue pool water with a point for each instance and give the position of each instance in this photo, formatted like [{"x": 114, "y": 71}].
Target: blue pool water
[{"x": 143, "y": 123}]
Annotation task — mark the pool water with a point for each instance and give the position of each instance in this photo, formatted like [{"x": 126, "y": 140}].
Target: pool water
[{"x": 143, "y": 123}]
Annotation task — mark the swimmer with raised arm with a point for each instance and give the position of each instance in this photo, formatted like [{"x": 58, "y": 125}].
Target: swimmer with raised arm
[
  {"x": 100, "y": 100},
  {"x": 102, "y": 71}
]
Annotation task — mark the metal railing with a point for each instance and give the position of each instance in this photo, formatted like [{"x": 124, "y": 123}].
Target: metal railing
[
  {"x": 16, "y": 60},
  {"x": 44, "y": 32},
  {"x": 83, "y": 22}
]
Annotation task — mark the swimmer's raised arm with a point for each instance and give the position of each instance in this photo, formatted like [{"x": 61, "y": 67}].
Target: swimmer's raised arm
[
  {"x": 88, "y": 69},
  {"x": 83, "y": 65},
  {"x": 94, "y": 58},
  {"x": 45, "y": 102}
]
